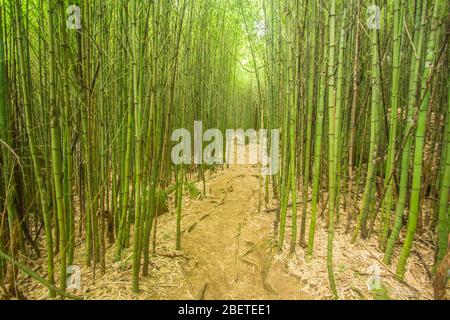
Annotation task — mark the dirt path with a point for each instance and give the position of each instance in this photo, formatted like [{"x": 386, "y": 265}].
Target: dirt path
[{"x": 229, "y": 243}]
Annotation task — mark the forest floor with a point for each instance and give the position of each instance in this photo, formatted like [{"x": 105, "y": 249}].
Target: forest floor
[{"x": 228, "y": 252}]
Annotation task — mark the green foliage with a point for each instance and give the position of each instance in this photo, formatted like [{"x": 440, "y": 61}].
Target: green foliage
[
  {"x": 161, "y": 200},
  {"x": 192, "y": 189},
  {"x": 381, "y": 293}
]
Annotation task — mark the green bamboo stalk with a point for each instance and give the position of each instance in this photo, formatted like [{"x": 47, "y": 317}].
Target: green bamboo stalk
[
  {"x": 67, "y": 141},
  {"x": 339, "y": 111},
  {"x": 51, "y": 287},
  {"x": 285, "y": 172},
  {"x": 121, "y": 235},
  {"x": 309, "y": 120},
  {"x": 292, "y": 151},
  {"x": 416, "y": 57},
  {"x": 369, "y": 190},
  {"x": 395, "y": 91},
  {"x": 414, "y": 205},
  {"x": 56, "y": 147},
  {"x": 137, "y": 106},
  {"x": 352, "y": 124},
  {"x": 37, "y": 167},
  {"x": 331, "y": 147},
  {"x": 6, "y": 154},
  {"x": 443, "y": 216},
  {"x": 318, "y": 139}
]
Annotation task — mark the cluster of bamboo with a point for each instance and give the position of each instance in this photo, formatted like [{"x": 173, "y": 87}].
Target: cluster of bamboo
[
  {"x": 86, "y": 117},
  {"x": 375, "y": 109}
]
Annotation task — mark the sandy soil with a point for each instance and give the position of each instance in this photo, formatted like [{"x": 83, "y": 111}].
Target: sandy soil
[{"x": 230, "y": 243}]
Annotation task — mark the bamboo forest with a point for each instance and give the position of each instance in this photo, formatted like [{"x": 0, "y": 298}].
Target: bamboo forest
[{"x": 224, "y": 149}]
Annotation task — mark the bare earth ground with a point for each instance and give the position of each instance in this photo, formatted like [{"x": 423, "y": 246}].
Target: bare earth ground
[{"x": 228, "y": 253}]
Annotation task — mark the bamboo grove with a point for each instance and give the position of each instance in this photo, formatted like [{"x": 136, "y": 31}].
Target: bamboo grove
[{"x": 361, "y": 96}]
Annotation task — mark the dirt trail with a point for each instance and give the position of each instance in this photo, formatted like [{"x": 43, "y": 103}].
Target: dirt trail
[{"x": 229, "y": 242}]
